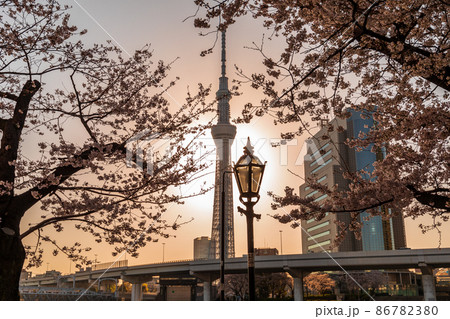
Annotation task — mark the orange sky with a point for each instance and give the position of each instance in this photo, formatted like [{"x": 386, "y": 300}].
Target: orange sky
[{"x": 135, "y": 23}]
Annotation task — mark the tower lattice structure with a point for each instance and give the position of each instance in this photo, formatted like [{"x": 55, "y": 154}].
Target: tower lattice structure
[{"x": 223, "y": 133}]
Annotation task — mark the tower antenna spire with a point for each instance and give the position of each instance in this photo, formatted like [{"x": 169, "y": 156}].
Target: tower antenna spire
[
  {"x": 223, "y": 54},
  {"x": 223, "y": 94}
]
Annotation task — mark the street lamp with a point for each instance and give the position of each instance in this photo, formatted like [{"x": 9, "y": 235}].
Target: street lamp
[
  {"x": 164, "y": 245},
  {"x": 249, "y": 171},
  {"x": 281, "y": 242}
]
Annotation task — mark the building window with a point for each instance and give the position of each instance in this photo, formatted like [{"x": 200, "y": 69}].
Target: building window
[
  {"x": 311, "y": 194},
  {"x": 319, "y": 226},
  {"x": 322, "y": 179},
  {"x": 318, "y": 181},
  {"x": 327, "y": 232},
  {"x": 321, "y": 166},
  {"x": 318, "y": 151},
  {"x": 313, "y": 219},
  {"x": 321, "y": 197},
  {"x": 320, "y": 158},
  {"x": 326, "y": 242}
]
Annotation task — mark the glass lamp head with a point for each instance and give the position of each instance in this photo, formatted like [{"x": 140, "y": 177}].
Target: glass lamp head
[{"x": 249, "y": 171}]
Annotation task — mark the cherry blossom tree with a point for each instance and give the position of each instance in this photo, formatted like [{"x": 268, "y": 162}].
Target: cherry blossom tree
[
  {"x": 236, "y": 285},
  {"x": 386, "y": 57},
  {"x": 68, "y": 113},
  {"x": 369, "y": 281},
  {"x": 275, "y": 286},
  {"x": 319, "y": 283}
]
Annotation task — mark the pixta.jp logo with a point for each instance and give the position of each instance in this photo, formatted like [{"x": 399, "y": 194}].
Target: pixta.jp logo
[{"x": 145, "y": 148}]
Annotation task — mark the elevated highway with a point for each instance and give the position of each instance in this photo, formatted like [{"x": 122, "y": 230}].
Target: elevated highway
[{"x": 208, "y": 270}]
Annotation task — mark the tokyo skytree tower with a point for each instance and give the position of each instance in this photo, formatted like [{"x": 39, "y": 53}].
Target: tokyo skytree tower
[{"x": 223, "y": 133}]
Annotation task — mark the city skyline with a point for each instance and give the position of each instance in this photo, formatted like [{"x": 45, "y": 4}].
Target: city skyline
[{"x": 277, "y": 177}]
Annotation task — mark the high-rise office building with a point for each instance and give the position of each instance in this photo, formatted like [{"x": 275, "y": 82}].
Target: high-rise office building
[{"x": 327, "y": 160}]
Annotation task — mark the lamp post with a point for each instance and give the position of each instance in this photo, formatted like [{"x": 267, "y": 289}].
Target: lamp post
[
  {"x": 281, "y": 242},
  {"x": 249, "y": 171}
]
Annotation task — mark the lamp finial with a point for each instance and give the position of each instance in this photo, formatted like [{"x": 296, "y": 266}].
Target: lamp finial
[{"x": 248, "y": 149}]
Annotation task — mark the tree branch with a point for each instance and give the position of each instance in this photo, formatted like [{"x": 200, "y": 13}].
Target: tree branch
[
  {"x": 3, "y": 124},
  {"x": 12, "y": 131},
  {"x": 54, "y": 220},
  {"x": 380, "y": 44},
  {"x": 429, "y": 198},
  {"x": 358, "y": 210},
  {"x": 80, "y": 110},
  {"x": 91, "y": 223},
  {"x": 311, "y": 71},
  {"x": 62, "y": 173},
  {"x": 9, "y": 96}
]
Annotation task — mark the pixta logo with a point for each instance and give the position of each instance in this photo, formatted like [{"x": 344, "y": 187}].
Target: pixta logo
[
  {"x": 310, "y": 151},
  {"x": 145, "y": 148}
]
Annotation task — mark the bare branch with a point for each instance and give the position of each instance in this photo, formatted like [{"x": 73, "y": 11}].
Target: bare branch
[
  {"x": 9, "y": 96},
  {"x": 53, "y": 220}
]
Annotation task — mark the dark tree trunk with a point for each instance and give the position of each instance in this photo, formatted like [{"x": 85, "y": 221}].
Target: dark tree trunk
[
  {"x": 12, "y": 256},
  {"x": 12, "y": 253}
]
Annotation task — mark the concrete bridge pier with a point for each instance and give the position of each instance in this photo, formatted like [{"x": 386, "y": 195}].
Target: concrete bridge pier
[
  {"x": 297, "y": 274},
  {"x": 136, "y": 285},
  {"x": 136, "y": 291},
  {"x": 206, "y": 291},
  {"x": 298, "y": 289},
  {"x": 207, "y": 278},
  {"x": 429, "y": 289}
]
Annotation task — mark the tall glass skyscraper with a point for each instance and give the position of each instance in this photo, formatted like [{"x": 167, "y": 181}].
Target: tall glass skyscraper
[{"x": 327, "y": 160}]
